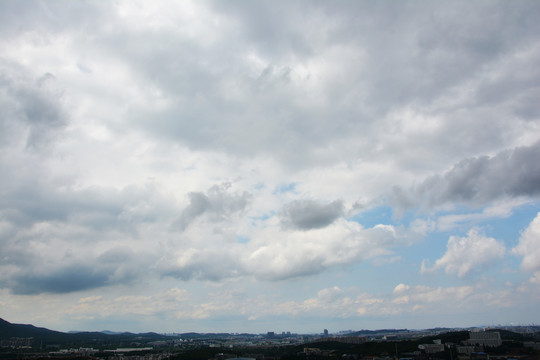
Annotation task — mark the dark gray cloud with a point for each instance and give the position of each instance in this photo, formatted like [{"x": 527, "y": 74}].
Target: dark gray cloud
[
  {"x": 45, "y": 199},
  {"x": 31, "y": 110},
  {"x": 51, "y": 232},
  {"x": 29, "y": 271},
  {"x": 477, "y": 181},
  {"x": 217, "y": 204},
  {"x": 116, "y": 266},
  {"x": 64, "y": 279},
  {"x": 310, "y": 214}
]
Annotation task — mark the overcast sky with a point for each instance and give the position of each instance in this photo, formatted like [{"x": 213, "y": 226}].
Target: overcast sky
[{"x": 258, "y": 166}]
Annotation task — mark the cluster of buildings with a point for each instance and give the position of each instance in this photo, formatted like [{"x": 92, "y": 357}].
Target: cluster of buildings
[
  {"x": 146, "y": 353},
  {"x": 17, "y": 342},
  {"x": 76, "y": 352}
]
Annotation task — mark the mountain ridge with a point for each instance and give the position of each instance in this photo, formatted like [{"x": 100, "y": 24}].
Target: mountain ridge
[{"x": 46, "y": 336}]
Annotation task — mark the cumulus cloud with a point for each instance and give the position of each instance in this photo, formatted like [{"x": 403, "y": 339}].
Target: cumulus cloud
[
  {"x": 213, "y": 263},
  {"x": 287, "y": 254},
  {"x": 309, "y": 214},
  {"x": 467, "y": 254},
  {"x": 217, "y": 204},
  {"x": 478, "y": 181},
  {"x": 529, "y": 247},
  {"x": 31, "y": 113},
  {"x": 274, "y": 253}
]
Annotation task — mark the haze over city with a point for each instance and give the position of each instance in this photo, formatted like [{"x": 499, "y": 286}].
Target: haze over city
[{"x": 254, "y": 166}]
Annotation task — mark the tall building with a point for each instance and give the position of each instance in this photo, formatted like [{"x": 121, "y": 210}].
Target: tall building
[{"x": 325, "y": 332}]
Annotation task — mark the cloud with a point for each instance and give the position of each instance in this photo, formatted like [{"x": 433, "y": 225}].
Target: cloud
[
  {"x": 478, "y": 181},
  {"x": 529, "y": 247},
  {"x": 205, "y": 144},
  {"x": 57, "y": 270},
  {"x": 31, "y": 114},
  {"x": 309, "y": 214},
  {"x": 169, "y": 300},
  {"x": 416, "y": 297},
  {"x": 251, "y": 96},
  {"x": 213, "y": 263},
  {"x": 274, "y": 253},
  {"x": 64, "y": 279},
  {"x": 41, "y": 198},
  {"x": 281, "y": 254},
  {"x": 499, "y": 209},
  {"x": 59, "y": 239},
  {"x": 217, "y": 204},
  {"x": 467, "y": 254}
]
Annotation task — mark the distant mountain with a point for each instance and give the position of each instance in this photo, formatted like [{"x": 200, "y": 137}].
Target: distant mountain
[
  {"x": 45, "y": 336},
  {"x": 108, "y": 332},
  {"x": 9, "y": 330}
]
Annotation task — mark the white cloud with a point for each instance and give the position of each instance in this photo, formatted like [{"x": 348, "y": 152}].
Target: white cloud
[
  {"x": 421, "y": 295},
  {"x": 535, "y": 279},
  {"x": 467, "y": 254},
  {"x": 274, "y": 253},
  {"x": 529, "y": 247},
  {"x": 497, "y": 210},
  {"x": 283, "y": 254}
]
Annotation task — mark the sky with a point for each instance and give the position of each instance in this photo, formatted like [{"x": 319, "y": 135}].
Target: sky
[{"x": 254, "y": 166}]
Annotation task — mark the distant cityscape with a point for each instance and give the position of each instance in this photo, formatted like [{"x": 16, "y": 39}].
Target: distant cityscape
[{"x": 503, "y": 342}]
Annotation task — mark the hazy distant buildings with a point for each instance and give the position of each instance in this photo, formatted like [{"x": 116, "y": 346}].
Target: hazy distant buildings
[
  {"x": 88, "y": 352},
  {"x": 465, "y": 349},
  {"x": 485, "y": 338},
  {"x": 17, "y": 342},
  {"x": 432, "y": 348}
]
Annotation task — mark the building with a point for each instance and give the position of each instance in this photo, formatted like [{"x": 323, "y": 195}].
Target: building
[
  {"x": 485, "y": 338},
  {"x": 466, "y": 350},
  {"x": 431, "y": 348}
]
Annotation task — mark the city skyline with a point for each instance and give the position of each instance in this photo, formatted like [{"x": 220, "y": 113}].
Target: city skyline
[{"x": 254, "y": 166}]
